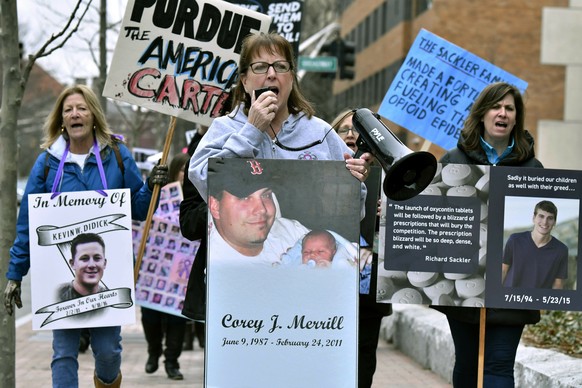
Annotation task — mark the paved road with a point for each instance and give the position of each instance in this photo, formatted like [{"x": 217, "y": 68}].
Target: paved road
[{"x": 33, "y": 354}]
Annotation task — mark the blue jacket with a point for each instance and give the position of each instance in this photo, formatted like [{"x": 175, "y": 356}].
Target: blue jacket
[{"x": 75, "y": 180}]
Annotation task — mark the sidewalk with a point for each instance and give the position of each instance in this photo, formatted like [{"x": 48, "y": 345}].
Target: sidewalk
[{"x": 34, "y": 351}]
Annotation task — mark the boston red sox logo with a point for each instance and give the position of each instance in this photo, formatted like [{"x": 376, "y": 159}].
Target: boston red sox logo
[{"x": 256, "y": 168}]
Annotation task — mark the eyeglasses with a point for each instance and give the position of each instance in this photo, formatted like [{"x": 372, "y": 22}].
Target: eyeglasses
[
  {"x": 263, "y": 67},
  {"x": 343, "y": 131}
]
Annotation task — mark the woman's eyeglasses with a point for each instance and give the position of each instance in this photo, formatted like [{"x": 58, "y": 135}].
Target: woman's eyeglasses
[
  {"x": 263, "y": 67},
  {"x": 343, "y": 131}
]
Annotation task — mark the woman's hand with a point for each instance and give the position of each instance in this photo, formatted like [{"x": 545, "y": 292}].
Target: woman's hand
[
  {"x": 359, "y": 167},
  {"x": 263, "y": 110},
  {"x": 365, "y": 257}
]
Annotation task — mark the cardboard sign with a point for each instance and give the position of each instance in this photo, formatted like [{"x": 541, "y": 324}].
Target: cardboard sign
[
  {"x": 285, "y": 15},
  {"x": 435, "y": 87},
  {"x": 180, "y": 59},
  {"x": 467, "y": 240},
  {"x": 167, "y": 262},
  {"x": 277, "y": 301},
  {"x": 95, "y": 287}
]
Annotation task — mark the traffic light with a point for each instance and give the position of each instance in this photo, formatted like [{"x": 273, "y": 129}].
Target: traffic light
[
  {"x": 330, "y": 48},
  {"x": 346, "y": 57}
]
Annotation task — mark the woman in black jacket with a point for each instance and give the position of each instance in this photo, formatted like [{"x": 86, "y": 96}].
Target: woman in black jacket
[{"x": 493, "y": 134}]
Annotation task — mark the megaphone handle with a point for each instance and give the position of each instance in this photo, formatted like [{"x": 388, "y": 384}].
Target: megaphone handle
[{"x": 362, "y": 147}]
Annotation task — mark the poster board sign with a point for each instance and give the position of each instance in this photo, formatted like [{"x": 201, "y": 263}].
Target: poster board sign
[
  {"x": 435, "y": 87},
  {"x": 448, "y": 246},
  {"x": 180, "y": 59},
  {"x": 285, "y": 15},
  {"x": 167, "y": 262},
  {"x": 95, "y": 288},
  {"x": 269, "y": 315}
]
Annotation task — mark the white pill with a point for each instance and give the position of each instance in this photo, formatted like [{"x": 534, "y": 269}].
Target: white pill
[
  {"x": 407, "y": 296},
  {"x": 473, "y": 302},
  {"x": 482, "y": 235},
  {"x": 443, "y": 286},
  {"x": 432, "y": 190},
  {"x": 483, "y": 184},
  {"x": 385, "y": 288},
  {"x": 470, "y": 287},
  {"x": 462, "y": 191},
  {"x": 443, "y": 300},
  {"x": 482, "y": 257},
  {"x": 396, "y": 276},
  {"x": 458, "y": 175},
  {"x": 456, "y": 276},
  {"x": 422, "y": 279}
]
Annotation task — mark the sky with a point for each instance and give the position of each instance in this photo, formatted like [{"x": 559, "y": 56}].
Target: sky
[{"x": 39, "y": 19}]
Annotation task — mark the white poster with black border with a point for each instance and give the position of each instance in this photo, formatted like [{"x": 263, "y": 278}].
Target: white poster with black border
[
  {"x": 471, "y": 239},
  {"x": 282, "y": 307},
  {"x": 93, "y": 288}
]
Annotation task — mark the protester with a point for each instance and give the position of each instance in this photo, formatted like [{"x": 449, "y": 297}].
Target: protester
[
  {"x": 193, "y": 226},
  {"x": 158, "y": 325},
  {"x": 370, "y": 312},
  {"x": 251, "y": 130},
  {"x": 277, "y": 124},
  {"x": 493, "y": 134},
  {"x": 78, "y": 143}
]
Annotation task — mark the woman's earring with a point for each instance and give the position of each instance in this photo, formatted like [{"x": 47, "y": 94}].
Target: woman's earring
[{"x": 62, "y": 128}]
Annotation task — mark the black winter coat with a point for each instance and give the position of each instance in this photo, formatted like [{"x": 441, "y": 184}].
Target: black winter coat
[{"x": 461, "y": 155}]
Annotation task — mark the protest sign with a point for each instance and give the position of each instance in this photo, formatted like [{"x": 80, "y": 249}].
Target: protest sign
[
  {"x": 94, "y": 287},
  {"x": 449, "y": 245},
  {"x": 286, "y": 17},
  {"x": 180, "y": 58},
  {"x": 435, "y": 87},
  {"x": 275, "y": 301},
  {"x": 165, "y": 268}
]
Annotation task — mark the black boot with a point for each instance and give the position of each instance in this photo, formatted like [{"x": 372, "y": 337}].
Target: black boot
[
  {"x": 173, "y": 370},
  {"x": 174, "y": 341},
  {"x": 154, "y": 334},
  {"x": 152, "y": 364}
]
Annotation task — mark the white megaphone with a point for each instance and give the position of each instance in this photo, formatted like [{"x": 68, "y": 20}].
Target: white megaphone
[{"x": 407, "y": 173}]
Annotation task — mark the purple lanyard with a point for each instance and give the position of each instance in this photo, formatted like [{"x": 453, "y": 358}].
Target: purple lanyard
[{"x": 60, "y": 170}]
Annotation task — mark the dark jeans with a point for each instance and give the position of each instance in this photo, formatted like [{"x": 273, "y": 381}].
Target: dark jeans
[
  {"x": 156, "y": 326},
  {"x": 500, "y": 348},
  {"x": 369, "y": 333}
]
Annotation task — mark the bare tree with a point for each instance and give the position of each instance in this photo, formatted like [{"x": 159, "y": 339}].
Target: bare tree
[{"x": 15, "y": 74}]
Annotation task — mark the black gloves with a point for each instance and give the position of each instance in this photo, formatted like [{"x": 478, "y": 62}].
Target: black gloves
[
  {"x": 158, "y": 176},
  {"x": 11, "y": 296}
]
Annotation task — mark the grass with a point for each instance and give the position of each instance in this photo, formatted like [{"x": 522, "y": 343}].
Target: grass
[{"x": 557, "y": 330}]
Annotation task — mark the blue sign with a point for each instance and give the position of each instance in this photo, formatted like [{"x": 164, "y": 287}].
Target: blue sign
[{"x": 436, "y": 86}]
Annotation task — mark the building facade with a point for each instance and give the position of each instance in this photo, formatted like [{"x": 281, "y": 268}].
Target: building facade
[{"x": 506, "y": 33}]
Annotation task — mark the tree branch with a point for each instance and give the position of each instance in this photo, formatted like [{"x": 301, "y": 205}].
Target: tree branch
[{"x": 65, "y": 33}]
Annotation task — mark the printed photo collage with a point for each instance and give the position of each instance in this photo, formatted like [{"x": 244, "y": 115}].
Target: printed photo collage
[{"x": 168, "y": 256}]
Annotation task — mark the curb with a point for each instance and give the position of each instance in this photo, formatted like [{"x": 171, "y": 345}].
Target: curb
[{"x": 423, "y": 334}]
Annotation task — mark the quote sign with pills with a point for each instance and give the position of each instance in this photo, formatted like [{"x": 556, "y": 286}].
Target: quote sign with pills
[{"x": 482, "y": 236}]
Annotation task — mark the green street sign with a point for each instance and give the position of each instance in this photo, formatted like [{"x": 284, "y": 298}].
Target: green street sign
[{"x": 318, "y": 64}]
